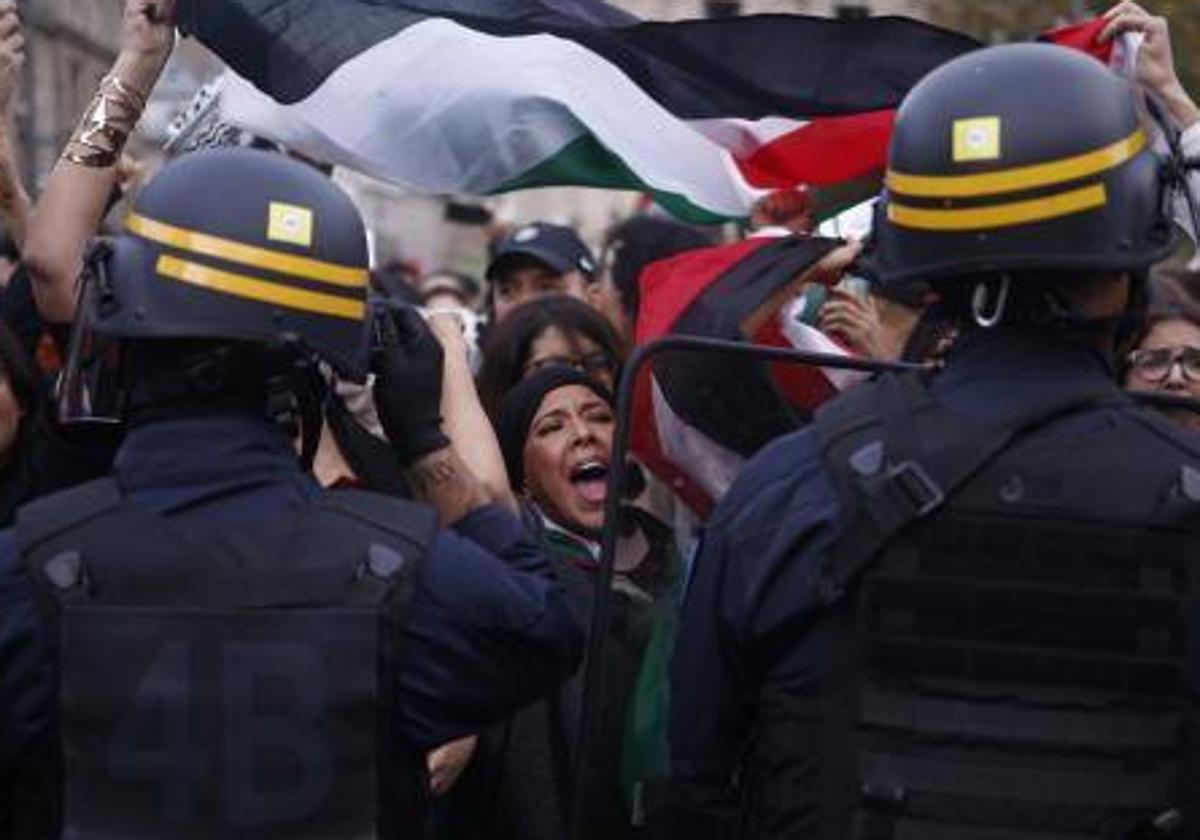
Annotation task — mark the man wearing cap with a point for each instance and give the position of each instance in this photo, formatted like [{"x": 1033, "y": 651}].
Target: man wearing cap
[{"x": 541, "y": 259}]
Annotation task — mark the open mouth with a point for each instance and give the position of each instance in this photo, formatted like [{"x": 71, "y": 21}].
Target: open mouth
[{"x": 591, "y": 479}]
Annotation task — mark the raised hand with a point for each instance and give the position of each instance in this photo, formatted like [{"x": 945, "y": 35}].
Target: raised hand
[
  {"x": 408, "y": 366},
  {"x": 148, "y": 27},
  {"x": 447, "y": 763},
  {"x": 1155, "y": 69},
  {"x": 854, "y": 319}
]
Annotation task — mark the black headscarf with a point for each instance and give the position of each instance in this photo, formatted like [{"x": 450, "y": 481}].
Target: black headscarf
[{"x": 521, "y": 404}]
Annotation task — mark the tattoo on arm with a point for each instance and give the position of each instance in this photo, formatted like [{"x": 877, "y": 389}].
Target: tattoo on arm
[
  {"x": 428, "y": 475},
  {"x": 444, "y": 481}
]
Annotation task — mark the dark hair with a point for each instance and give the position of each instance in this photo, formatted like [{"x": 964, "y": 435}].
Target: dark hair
[
  {"x": 169, "y": 378},
  {"x": 1168, "y": 301},
  {"x": 635, "y": 243},
  {"x": 1172, "y": 294},
  {"x": 506, "y": 348},
  {"x": 8, "y": 247},
  {"x": 396, "y": 280},
  {"x": 26, "y": 387},
  {"x": 20, "y": 370},
  {"x": 176, "y": 378},
  {"x": 932, "y": 336}
]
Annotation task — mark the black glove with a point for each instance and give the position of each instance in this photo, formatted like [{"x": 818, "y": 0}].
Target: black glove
[{"x": 407, "y": 361}]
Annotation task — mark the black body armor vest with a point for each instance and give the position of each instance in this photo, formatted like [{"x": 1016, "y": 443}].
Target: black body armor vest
[
  {"x": 228, "y": 680},
  {"x": 1025, "y": 615}
]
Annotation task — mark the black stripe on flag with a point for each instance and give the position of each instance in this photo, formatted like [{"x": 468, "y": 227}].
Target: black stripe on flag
[
  {"x": 748, "y": 67},
  {"x": 729, "y": 399}
]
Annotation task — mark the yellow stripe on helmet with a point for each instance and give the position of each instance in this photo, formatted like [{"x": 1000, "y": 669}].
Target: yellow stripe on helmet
[
  {"x": 999, "y": 215},
  {"x": 240, "y": 285},
  {"x": 1018, "y": 178},
  {"x": 263, "y": 258}
]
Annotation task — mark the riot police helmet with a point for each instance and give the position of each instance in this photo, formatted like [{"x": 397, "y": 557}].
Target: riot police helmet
[
  {"x": 230, "y": 246},
  {"x": 1023, "y": 159}
]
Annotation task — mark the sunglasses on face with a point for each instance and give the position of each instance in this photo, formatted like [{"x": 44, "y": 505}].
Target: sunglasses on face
[
  {"x": 589, "y": 363},
  {"x": 1155, "y": 365}
]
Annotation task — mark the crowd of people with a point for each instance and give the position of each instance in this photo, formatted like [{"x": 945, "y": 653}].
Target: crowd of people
[{"x": 294, "y": 546}]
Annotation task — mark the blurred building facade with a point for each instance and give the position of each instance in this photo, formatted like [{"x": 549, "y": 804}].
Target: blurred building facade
[{"x": 69, "y": 46}]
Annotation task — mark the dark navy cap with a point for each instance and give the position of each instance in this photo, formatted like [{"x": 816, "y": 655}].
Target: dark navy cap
[{"x": 556, "y": 245}]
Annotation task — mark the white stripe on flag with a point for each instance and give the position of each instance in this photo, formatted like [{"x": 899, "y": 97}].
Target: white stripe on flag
[
  {"x": 745, "y": 137},
  {"x": 810, "y": 339},
  {"x": 709, "y": 465},
  {"x": 442, "y": 108}
]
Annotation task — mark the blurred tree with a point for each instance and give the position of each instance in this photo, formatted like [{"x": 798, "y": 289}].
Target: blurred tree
[
  {"x": 1184, "y": 16},
  {"x": 1011, "y": 20}
]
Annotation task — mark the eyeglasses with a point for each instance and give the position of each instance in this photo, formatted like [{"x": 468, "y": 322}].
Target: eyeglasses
[
  {"x": 1155, "y": 365},
  {"x": 589, "y": 363}
]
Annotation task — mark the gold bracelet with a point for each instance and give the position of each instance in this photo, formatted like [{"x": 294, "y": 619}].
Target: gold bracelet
[
  {"x": 114, "y": 84},
  {"x": 106, "y": 125}
]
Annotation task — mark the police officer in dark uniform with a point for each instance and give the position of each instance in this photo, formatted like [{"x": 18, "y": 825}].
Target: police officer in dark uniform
[
  {"x": 206, "y": 644},
  {"x": 966, "y": 605}
]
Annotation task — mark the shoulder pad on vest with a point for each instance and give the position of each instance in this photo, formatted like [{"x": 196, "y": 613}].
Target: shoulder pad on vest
[
  {"x": 863, "y": 406},
  {"x": 43, "y": 518},
  {"x": 1185, "y": 439},
  {"x": 850, "y": 411},
  {"x": 410, "y": 521},
  {"x": 1189, "y": 482}
]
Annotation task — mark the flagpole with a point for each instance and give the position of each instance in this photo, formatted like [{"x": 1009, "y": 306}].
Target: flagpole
[{"x": 594, "y": 677}]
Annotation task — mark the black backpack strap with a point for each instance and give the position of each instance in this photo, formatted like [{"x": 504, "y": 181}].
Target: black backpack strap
[
  {"x": 42, "y": 520},
  {"x": 897, "y": 456}
]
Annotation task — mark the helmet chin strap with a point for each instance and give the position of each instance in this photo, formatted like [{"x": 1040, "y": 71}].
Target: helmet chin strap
[
  {"x": 296, "y": 395},
  {"x": 311, "y": 400}
]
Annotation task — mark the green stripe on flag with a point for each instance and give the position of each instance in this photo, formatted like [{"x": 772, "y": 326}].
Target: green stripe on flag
[
  {"x": 837, "y": 198},
  {"x": 587, "y": 162}
]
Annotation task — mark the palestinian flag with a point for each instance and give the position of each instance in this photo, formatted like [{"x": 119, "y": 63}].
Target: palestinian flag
[
  {"x": 698, "y": 416},
  {"x": 486, "y": 96}
]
